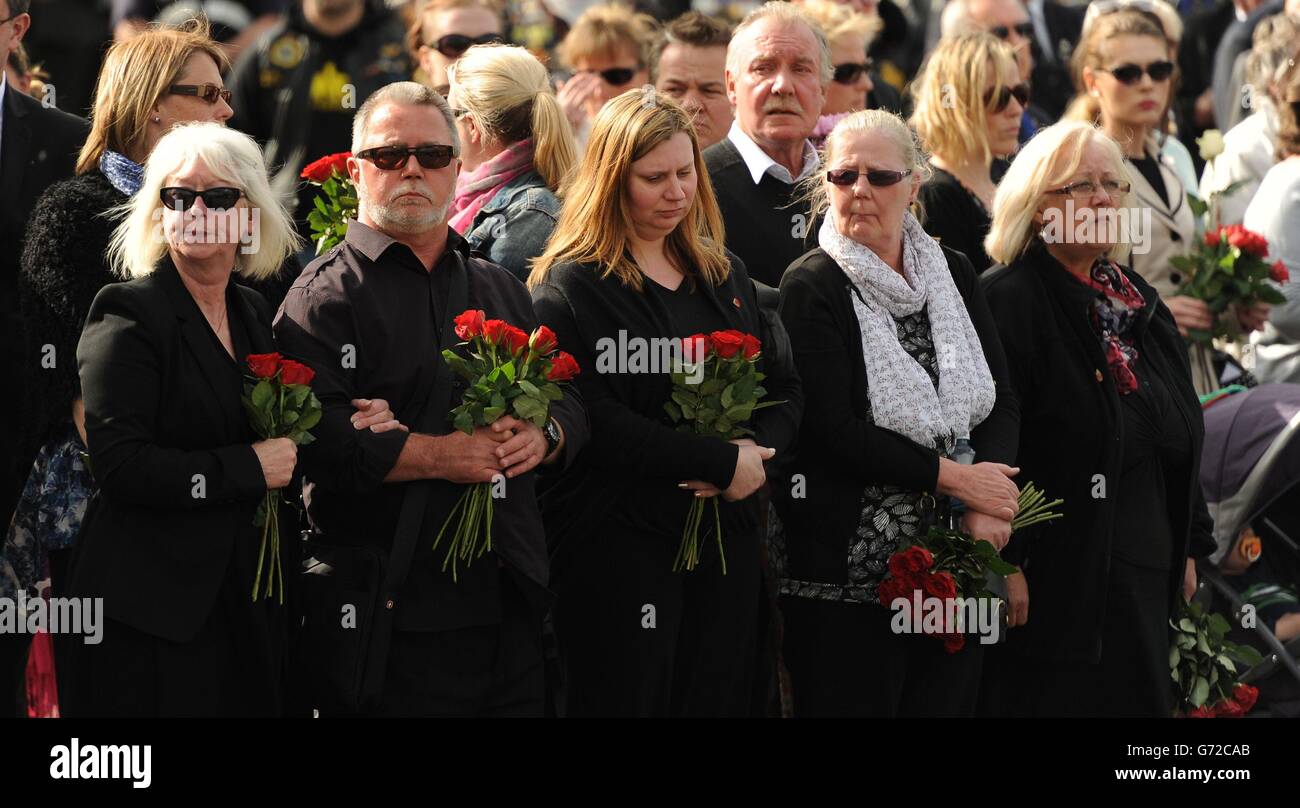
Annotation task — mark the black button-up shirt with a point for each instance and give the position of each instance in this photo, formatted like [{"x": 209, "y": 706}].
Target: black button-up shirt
[{"x": 366, "y": 317}]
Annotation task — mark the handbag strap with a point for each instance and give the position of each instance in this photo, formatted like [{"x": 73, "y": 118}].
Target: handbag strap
[{"x": 411, "y": 516}]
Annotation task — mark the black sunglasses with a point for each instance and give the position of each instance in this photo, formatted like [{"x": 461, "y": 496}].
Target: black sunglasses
[
  {"x": 453, "y": 46},
  {"x": 1025, "y": 29},
  {"x": 848, "y": 73},
  {"x": 178, "y": 198},
  {"x": 392, "y": 158},
  {"x": 615, "y": 76},
  {"x": 1020, "y": 92},
  {"x": 878, "y": 178},
  {"x": 1132, "y": 74},
  {"x": 208, "y": 92}
]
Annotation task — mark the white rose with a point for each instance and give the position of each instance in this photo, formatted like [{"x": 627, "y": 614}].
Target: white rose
[{"x": 1211, "y": 144}]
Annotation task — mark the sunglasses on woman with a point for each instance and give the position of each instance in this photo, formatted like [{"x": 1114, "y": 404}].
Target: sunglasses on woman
[
  {"x": 848, "y": 73},
  {"x": 453, "y": 46},
  {"x": 392, "y": 158},
  {"x": 1132, "y": 74},
  {"x": 208, "y": 92},
  {"x": 878, "y": 177},
  {"x": 178, "y": 198},
  {"x": 1086, "y": 188},
  {"x": 1024, "y": 29},
  {"x": 615, "y": 76},
  {"x": 1020, "y": 92}
]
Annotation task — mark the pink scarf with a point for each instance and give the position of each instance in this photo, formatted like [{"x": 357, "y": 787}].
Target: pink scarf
[{"x": 476, "y": 189}]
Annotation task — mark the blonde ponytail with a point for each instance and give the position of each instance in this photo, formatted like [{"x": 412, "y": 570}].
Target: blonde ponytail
[{"x": 554, "y": 149}]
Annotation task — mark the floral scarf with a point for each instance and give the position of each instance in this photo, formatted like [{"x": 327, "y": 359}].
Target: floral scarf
[
  {"x": 123, "y": 173},
  {"x": 1113, "y": 313},
  {"x": 476, "y": 189}
]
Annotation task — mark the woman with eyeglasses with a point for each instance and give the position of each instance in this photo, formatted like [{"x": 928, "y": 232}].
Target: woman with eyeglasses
[
  {"x": 1125, "y": 76},
  {"x": 608, "y": 49},
  {"x": 638, "y": 261},
  {"x": 516, "y": 150},
  {"x": 968, "y": 109},
  {"x": 444, "y": 29},
  {"x": 1110, "y": 423},
  {"x": 850, "y": 34},
  {"x": 169, "y": 541},
  {"x": 901, "y": 367}
]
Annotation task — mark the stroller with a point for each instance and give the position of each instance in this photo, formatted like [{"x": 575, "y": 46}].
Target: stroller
[{"x": 1250, "y": 474}]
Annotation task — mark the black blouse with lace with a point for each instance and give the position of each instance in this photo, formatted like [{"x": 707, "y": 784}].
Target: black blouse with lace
[{"x": 890, "y": 515}]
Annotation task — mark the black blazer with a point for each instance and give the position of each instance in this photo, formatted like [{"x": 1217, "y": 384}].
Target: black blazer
[
  {"x": 635, "y": 457},
  {"x": 1071, "y": 430},
  {"x": 840, "y": 451},
  {"x": 155, "y": 420}
]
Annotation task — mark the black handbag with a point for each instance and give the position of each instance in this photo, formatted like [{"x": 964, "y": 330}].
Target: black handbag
[{"x": 348, "y": 593}]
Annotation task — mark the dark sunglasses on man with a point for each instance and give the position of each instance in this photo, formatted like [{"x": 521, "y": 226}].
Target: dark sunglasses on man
[
  {"x": 1024, "y": 29},
  {"x": 208, "y": 92},
  {"x": 615, "y": 76},
  {"x": 1020, "y": 92},
  {"x": 393, "y": 158},
  {"x": 877, "y": 178},
  {"x": 1132, "y": 74},
  {"x": 453, "y": 46},
  {"x": 849, "y": 72},
  {"x": 178, "y": 198}
]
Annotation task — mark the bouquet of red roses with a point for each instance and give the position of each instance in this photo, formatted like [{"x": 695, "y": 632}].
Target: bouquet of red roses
[
  {"x": 336, "y": 203},
  {"x": 280, "y": 404},
  {"x": 1204, "y": 666},
  {"x": 948, "y": 564},
  {"x": 1229, "y": 267},
  {"x": 715, "y": 392},
  {"x": 509, "y": 372}
]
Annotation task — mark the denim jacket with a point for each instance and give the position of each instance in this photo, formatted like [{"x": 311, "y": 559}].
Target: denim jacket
[{"x": 513, "y": 227}]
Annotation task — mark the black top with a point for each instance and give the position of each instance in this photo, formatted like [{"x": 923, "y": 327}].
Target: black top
[
  {"x": 1149, "y": 167},
  {"x": 841, "y": 452},
  {"x": 689, "y": 308},
  {"x": 636, "y": 457},
  {"x": 366, "y": 315},
  {"x": 1071, "y": 443},
  {"x": 766, "y": 228},
  {"x": 956, "y": 217},
  {"x": 171, "y": 450}
]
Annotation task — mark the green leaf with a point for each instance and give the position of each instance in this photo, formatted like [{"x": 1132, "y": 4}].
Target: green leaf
[
  {"x": 727, "y": 395},
  {"x": 529, "y": 388},
  {"x": 308, "y": 419},
  {"x": 289, "y": 418},
  {"x": 552, "y": 391},
  {"x": 263, "y": 395},
  {"x": 1200, "y": 691},
  {"x": 1174, "y": 657},
  {"x": 464, "y": 422},
  {"x": 491, "y": 414},
  {"x": 508, "y": 370},
  {"x": 673, "y": 410},
  {"x": 1187, "y": 625}
]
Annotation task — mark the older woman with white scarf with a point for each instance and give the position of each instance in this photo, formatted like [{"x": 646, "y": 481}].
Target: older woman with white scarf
[{"x": 901, "y": 361}]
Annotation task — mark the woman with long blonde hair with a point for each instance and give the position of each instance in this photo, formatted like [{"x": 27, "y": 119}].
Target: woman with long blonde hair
[
  {"x": 969, "y": 103},
  {"x": 517, "y": 150},
  {"x": 637, "y": 260}
]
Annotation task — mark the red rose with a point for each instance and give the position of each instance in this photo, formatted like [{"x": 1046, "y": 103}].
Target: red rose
[
  {"x": 494, "y": 331},
  {"x": 1245, "y": 695},
  {"x": 321, "y": 170},
  {"x": 516, "y": 339},
  {"x": 890, "y": 590},
  {"x": 1212, "y": 237},
  {"x": 695, "y": 348},
  {"x": 264, "y": 365},
  {"x": 752, "y": 346},
  {"x": 913, "y": 560},
  {"x": 543, "y": 341},
  {"x": 727, "y": 343},
  {"x": 1228, "y": 708},
  {"x": 940, "y": 585},
  {"x": 1279, "y": 272},
  {"x": 292, "y": 372},
  {"x": 1247, "y": 241},
  {"x": 563, "y": 368},
  {"x": 469, "y": 323},
  {"x": 952, "y": 643},
  {"x": 1200, "y": 712}
]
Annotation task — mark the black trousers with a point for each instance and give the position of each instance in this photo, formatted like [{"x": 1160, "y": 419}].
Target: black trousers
[
  {"x": 637, "y": 639},
  {"x": 845, "y": 661},
  {"x": 493, "y": 671}
]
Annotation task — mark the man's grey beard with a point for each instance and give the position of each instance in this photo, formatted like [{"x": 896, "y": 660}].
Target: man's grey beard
[{"x": 391, "y": 218}]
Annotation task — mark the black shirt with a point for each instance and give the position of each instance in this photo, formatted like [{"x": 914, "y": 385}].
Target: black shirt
[
  {"x": 366, "y": 316},
  {"x": 1150, "y": 171},
  {"x": 956, "y": 217}
]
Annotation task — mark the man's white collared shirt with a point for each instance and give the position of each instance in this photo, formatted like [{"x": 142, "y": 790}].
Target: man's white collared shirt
[{"x": 759, "y": 163}]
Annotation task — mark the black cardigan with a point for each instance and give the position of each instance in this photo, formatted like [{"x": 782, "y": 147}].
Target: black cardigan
[
  {"x": 1070, "y": 442},
  {"x": 635, "y": 456},
  {"x": 840, "y": 451}
]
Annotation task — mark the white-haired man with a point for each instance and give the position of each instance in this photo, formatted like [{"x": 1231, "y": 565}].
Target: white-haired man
[
  {"x": 373, "y": 315},
  {"x": 778, "y": 66}
]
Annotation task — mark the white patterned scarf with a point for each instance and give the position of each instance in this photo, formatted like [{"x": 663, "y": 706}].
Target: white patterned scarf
[{"x": 903, "y": 399}]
